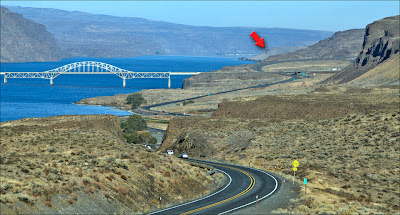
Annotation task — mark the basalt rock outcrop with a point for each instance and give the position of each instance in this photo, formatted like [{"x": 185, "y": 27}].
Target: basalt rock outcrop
[
  {"x": 23, "y": 40},
  {"x": 381, "y": 43}
]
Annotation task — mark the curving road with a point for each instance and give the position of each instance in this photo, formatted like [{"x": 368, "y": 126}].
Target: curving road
[{"x": 244, "y": 185}]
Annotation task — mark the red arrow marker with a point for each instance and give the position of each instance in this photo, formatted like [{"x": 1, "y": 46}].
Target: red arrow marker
[{"x": 259, "y": 42}]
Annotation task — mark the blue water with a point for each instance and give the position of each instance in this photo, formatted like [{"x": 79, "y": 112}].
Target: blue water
[{"x": 22, "y": 98}]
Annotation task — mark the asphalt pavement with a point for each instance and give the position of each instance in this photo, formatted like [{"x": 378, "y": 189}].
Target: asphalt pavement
[{"x": 247, "y": 186}]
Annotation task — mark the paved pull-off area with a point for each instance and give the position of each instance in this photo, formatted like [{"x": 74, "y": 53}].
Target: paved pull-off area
[{"x": 245, "y": 184}]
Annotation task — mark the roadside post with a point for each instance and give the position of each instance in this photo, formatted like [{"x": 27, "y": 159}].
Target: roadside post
[
  {"x": 305, "y": 186},
  {"x": 256, "y": 201},
  {"x": 160, "y": 202},
  {"x": 295, "y": 163},
  {"x": 284, "y": 181}
]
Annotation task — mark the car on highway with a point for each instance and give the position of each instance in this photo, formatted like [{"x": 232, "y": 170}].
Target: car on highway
[{"x": 184, "y": 155}]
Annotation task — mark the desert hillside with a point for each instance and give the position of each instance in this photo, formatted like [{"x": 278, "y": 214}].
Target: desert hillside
[
  {"x": 381, "y": 43},
  {"x": 386, "y": 73},
  {"x": 344, "y": 138},
  {"x": 342, "y": 45},
  {"x": 34, "y": 42},
  {"x": 334, "y": 52},
  {"x": 67, "y": 164}
]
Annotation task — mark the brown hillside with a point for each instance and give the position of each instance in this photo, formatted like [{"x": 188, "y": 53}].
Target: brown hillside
[
  {"x": 381, "y": 43},
  {"x": 383, "y": 74},
  {"x": 325, "y": 103},
  {"x": 82, "y": 165},
  {"x": 342, "y": 45},
  {"x": 350, "y": 157}
]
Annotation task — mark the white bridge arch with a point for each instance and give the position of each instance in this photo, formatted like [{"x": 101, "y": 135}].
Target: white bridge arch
[{"x": 93, "y": 67}]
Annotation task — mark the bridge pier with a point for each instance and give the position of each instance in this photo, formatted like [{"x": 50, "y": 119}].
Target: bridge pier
[
  {"x": 5, "y": 78},
  {"x": 123, "y": 82},
  {"x": 51, "y": 81},
  {"x": 169, "y": 81}
]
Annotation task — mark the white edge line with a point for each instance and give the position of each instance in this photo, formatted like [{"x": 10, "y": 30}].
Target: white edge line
[
  {"x": 230, "y": 180},
  {"x": 276, "y": 186}
]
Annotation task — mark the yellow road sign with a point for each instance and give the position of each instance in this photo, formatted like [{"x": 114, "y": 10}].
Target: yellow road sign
[
  {"x": 294, "y": 169},
  {"x": 295, "y": 163}
]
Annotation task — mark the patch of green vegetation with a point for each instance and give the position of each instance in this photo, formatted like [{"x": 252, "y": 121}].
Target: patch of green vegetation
[
  {"x": 135, "y": 99},
  {"x": 132, "y": 125},
  {"x": 134, "y": 122},
  {"x": 147, "y": 138},
  {"x": 131, "y": 136}
]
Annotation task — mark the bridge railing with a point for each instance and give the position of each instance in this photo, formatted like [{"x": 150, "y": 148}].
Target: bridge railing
[{"x": 93, "y": 67}]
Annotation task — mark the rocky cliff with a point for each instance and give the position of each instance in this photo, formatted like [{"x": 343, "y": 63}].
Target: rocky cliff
[
  {"x": 342, "y": 45},
  {"x": 381, "y": 43},
  {"x": 23, "y": 40}
]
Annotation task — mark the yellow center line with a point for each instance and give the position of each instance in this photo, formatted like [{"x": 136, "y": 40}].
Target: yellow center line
[{"x": 252, "y": 182}]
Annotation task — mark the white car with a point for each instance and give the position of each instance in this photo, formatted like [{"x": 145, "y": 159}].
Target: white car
[
  {"x": 184, "y": 155},
  {"x": 170, "y": 152}
]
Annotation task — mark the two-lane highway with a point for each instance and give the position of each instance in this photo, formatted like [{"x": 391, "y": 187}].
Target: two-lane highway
[{"x": 244, "y": 185}]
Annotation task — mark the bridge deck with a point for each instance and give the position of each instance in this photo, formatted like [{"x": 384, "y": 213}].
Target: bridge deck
[
  {"x": 93, "y": 68},
  {"x": 108, "y": 73}
]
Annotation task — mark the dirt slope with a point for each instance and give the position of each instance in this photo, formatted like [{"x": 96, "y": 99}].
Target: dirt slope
[{"x": 67, "y": 164}]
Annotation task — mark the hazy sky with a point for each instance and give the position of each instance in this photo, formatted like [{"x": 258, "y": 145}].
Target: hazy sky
[{"x": 318, "y": 15}]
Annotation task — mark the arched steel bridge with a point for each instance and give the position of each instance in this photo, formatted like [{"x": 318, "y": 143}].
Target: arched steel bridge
[{"x": 93, "y": 67}]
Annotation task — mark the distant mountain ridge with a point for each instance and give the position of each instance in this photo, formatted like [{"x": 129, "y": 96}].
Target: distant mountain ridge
[
  {"x": 90, "y": 35},
  {"x": 381, "y": 44},
  {"x": 342, "y": 45},
  {"x": 23, "y": 40}
]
